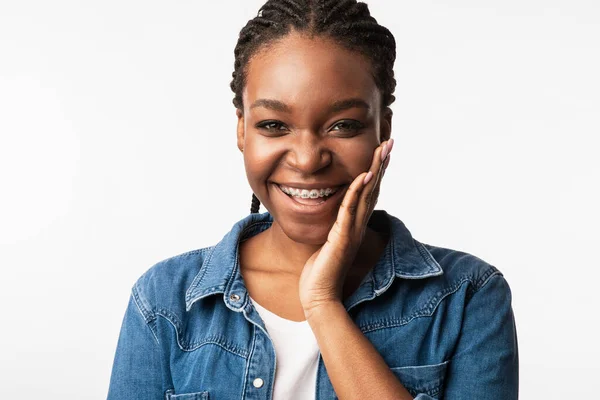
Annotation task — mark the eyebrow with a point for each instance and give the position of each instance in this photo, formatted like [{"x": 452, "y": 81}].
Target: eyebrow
[
  {"x": 274, "y": 105},
  {"x": 338, "y": 106}
]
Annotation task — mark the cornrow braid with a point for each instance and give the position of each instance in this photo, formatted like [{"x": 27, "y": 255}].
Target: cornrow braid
[
  {"x": 255, "y": 206},
  {"x": 347, "y": 22}
]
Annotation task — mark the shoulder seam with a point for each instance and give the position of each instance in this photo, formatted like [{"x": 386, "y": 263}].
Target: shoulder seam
[
  {"x": 142, "y": 304},
  {"x": 148, "y": 320},
  {"x": 485, "y": 278}
]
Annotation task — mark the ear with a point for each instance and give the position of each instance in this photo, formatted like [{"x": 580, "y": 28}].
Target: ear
[
  {"x": 240, "y": 129},
  {"x": 385, "y": 125}
]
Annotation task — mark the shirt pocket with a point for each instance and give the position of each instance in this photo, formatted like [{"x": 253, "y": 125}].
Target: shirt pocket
[
  {"x": 427, "y": 379},
  {"x": 187, "y": 396}
]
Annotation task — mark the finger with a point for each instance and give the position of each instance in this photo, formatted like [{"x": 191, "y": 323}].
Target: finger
[
  {"x": 348, "y": 209},
  {"x": 371, "y": 190},
  {"x": 386, "y": 163}
]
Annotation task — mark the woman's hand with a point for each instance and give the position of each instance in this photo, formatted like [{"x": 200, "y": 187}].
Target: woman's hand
[{"x": 323, "y": 276}]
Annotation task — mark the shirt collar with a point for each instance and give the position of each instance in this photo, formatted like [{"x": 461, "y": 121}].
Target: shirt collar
[{"x": 403, "y": 257}]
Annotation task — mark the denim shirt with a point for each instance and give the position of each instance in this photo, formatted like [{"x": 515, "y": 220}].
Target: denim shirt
[{"x": 440, "y": 318}]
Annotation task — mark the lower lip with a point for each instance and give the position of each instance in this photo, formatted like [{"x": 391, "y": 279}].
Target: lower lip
[{"x": 321, "y": 208}]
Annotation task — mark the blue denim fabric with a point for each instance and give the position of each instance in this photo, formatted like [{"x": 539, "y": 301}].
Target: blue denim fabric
[{"x": 441, "y": 319}]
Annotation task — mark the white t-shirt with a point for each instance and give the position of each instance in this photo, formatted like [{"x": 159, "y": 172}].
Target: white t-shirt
[{"x": 296, "y": 353}]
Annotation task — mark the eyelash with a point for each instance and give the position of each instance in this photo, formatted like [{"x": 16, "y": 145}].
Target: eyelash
[
  {"x": 264, "y": 125},
  {"x": 353, "y": 126}
]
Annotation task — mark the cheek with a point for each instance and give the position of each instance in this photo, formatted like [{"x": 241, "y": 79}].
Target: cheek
[
  {"x": 358, "y": 158},
  {"x": 363, "y": 158},
  {"x": 260, "y": 160}
]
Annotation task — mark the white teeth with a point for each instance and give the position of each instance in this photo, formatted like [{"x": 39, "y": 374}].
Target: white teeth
[{"x": 308, "y": 194}]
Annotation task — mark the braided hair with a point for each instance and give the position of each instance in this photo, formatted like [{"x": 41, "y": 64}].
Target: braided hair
[{"x": 347, "y": 22}]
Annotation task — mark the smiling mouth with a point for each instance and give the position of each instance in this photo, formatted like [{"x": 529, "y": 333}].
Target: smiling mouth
[{"x": 310, "y": 197}]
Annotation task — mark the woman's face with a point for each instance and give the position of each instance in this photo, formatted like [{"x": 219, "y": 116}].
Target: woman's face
[{"x": 312, "y": 119}]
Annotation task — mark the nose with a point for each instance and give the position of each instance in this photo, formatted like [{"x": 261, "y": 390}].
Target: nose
[{"x": 308, "y": 153}]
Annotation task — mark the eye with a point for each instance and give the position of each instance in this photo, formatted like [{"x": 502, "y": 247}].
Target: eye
[
  {"x": 348, "y": 126},
  {"x": 276, "y": 127}
]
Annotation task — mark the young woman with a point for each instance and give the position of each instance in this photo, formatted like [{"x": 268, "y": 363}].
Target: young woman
[{"x": 321, "y": 297}]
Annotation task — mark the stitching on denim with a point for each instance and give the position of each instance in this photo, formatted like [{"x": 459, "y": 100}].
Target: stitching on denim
[
  {"x": 422, "y": 366},
  {"x": 194, "y": 345},
  {"x": 198, "y": 278},
  {"x": 148, "y": 315},
  {"x": 236, "y": 262},
  {"x": 392, "y": 242},
  {"x": 230, "y": 349},
  {"x": 390, "y": 252},
  {"x": 483, "y": 280},
  {"x": 479, "y": 283},
  {"x": 426, "y": 255},
  {"x": 147, "y": 321},
  {"x": 170, "y": 395},
  {"x": 426, "y": 311},
  {"x": 153, "y": 329},
  {"x": 230, "y": 280},
  {"x": 246, "y": 371},
  {"x": 210, "y": 289},
  {"x": 431, "y": 391},
  {"x": 216, "y": 340},
  {"x": 189, "y": 253}
]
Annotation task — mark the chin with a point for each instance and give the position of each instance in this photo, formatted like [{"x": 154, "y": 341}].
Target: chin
[
  {"x": 316, "y": 237},
  {"x": 306, "y": 232}
]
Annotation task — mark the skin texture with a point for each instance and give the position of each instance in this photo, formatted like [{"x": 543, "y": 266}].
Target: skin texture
[{"x": 305, "y": 264}]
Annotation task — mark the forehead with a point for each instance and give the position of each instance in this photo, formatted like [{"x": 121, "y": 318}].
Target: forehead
[{"x": 299, "y": 70}]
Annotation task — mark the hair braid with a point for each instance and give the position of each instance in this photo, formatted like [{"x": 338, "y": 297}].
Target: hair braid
[
  {"x": 255, "y": 206},
  {"x": 348, "y": 22}
]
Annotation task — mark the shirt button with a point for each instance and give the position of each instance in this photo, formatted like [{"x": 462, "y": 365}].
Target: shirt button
[
  {"x": 258, "y": 383},
  {"x": 234, "y": 297}
]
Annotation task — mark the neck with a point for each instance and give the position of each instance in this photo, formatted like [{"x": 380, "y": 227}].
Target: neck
[{"x": 290, "y": 256}]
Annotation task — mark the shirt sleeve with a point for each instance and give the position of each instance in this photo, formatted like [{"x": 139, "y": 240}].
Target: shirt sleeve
[
  {"x": 137, "y": 371},
  {"x": 485, "y": 364}
]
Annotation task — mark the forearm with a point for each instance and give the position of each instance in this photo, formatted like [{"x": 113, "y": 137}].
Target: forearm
[{"x": 355, "y": 368}]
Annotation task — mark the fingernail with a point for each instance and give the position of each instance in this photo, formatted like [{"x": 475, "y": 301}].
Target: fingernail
[
  {"x": 368, "y": 178},
  {"x": 384, "y": 152},
  {"x": 391, "y": 145}
]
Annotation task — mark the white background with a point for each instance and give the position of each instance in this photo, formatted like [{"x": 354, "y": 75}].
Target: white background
[{"x": 117, "y": 150}]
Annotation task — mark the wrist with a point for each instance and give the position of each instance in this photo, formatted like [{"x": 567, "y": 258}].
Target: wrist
[{"x": 323, "y": 310}]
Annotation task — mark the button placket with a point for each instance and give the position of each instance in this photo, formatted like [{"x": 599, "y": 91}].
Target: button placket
[{"x": 261, "y": 368}]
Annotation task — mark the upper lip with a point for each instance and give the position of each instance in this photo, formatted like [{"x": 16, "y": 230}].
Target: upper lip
[{"x": 309, "y": 186}]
